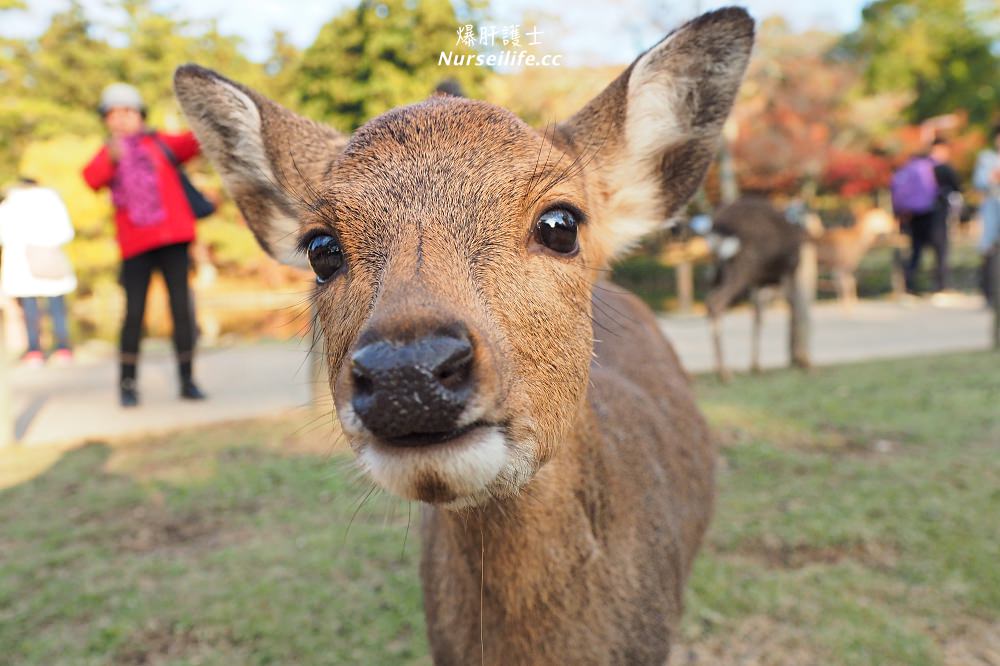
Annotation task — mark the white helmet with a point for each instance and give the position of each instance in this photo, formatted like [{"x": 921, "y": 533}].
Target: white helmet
[{"x": 121, "y": 95}]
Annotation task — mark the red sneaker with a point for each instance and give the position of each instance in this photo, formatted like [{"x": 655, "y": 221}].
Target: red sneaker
[
  {"x": 62, "y": 356},
  {"x": 33, "y": 358}
]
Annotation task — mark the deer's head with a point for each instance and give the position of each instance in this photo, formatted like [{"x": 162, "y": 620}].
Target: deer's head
[{"x": 455, "y": 248}]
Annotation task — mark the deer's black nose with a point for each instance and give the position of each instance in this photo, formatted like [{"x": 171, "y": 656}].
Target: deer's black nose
[{"x": 413, "y": 393}]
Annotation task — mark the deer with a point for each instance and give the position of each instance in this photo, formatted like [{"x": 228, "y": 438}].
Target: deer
[
  {"x": 478, "y": 364},
  {"x": 840, "y": 250},
  {"x": 755, "y": 248}
]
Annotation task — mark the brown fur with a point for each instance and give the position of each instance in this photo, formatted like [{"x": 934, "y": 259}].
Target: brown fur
[
  {"x": 587, "y": 565},
  {"x": 578, "y": 548},
  {"x": 767, "y": 257},
  {"x": 841, "y": 250}
]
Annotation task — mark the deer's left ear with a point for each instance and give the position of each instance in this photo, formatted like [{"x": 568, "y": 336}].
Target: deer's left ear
[
  {"x": 653, "y": 132},
  {"x": 269, "y": 158}
]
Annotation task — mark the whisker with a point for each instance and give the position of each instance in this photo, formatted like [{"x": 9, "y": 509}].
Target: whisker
[
  {"x": 409, "y": 508},
  {"x": 360, "y": 504}
]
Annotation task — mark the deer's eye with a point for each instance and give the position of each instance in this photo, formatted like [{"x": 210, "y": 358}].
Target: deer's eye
[
  {"x": 325, "y": 256},
  {"x": 556, "y": 230}
]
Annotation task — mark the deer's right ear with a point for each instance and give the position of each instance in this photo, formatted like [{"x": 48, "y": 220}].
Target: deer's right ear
[
  {"x": 269, "y": 158},
  {"x": 653, "y": 132}
]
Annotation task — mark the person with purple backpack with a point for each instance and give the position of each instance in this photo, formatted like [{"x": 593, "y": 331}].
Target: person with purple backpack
[{"x": 921, "y": 193}]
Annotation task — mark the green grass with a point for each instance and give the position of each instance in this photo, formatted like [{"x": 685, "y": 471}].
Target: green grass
[
  {"x": 856, "y": 524},
  {"x": 859, "y": 505}
]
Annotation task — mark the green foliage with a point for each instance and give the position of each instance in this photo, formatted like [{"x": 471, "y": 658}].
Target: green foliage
[
  {"x": 379, "y": 55},
  {"x": 944, "y": 51},
  {"x": 49, "y": 127},
  {"x": 50, "y": 86},
  {"x": 282, "y": 68},
  {"x": 232, "y": 245},
  {"x": 158, "y": 43},
  {"x": 56, "y": 162}
]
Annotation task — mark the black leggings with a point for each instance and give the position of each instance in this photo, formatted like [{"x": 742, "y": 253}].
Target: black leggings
[
  {"x": 929, "y": 229},
  {"x": 173, "y": 263}
]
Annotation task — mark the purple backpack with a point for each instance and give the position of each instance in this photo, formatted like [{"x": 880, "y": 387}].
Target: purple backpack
[{"x": 914, "y": 187}]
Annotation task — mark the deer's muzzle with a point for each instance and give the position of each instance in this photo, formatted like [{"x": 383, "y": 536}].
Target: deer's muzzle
[{"x": 413, "y": 394}]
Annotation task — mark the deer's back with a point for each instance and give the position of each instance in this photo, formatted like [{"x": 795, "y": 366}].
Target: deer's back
[{"x": 769, "y": 244}]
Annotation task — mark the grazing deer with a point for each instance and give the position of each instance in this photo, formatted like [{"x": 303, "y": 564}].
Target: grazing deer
[
  {"x": 841, "y": 249},
  {"x": 568, "y": 479},
  {"x": 755, "y": 247}
]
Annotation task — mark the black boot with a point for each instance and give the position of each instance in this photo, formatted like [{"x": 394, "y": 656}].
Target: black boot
[
  {"x": 128, "y": 394},
  {"x": 189, "y": 390}
]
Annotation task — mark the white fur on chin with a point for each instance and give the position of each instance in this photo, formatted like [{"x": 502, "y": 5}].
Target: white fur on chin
[{"x": 467, "y": 466}]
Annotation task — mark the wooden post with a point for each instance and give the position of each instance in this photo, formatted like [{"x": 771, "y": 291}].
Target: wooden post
[
  {"x": 800, "y": 300},
  {"x": 6, "y": 409},
  {"x": 684, "y": 272},
  {"x": 994, "y": 278}
]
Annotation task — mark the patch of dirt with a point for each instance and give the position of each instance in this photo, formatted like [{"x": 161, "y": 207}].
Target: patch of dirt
[
  {"x": 864, "y": 442},
  {"x": 762, "y": 641},
  {"x": 161, "y": 642},
  {"x": 757, "y": 641},
  {"x": 776, "y": 554},
  {"x": 150, "y": 529},
  {"x": 972, "y": 643},
  {"x": 831, "y": 440}
]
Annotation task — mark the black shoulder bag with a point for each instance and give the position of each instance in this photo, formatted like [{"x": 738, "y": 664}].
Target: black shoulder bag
[{"x": 200, "y": 206}]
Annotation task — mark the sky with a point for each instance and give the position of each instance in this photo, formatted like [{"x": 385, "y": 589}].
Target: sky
[{"x": 588, "y": 32}]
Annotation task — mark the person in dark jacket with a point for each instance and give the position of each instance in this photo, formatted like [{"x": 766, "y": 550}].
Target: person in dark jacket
[
  {"x": 931, "y": 228},
  {"x": 155, "y": 226}
]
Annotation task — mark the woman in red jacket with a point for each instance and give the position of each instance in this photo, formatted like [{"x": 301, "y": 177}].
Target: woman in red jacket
[{"x": 155, "y": 226}]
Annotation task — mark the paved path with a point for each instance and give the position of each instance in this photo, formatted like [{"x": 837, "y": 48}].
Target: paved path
[
  {"x": 62, "y": 404},
  {"x": 873, "y": 329},
  {"x": 71, "y": 403}
]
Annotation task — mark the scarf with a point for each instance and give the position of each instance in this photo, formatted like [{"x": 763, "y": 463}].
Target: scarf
[{"x": 136, "y": 187}]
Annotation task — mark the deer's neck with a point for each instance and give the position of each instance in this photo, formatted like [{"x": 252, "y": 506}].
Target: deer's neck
[
  {"x": 514, "y": 538},
  {"x": 493, "y": 569}
]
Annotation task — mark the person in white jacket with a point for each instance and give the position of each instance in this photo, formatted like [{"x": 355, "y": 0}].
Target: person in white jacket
[
  {"x": 986, "y": 179},
  {"x": 34, "y": 225}
]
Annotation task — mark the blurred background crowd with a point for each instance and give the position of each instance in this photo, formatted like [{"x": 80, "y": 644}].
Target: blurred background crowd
[{"x": 825, "y": 118}]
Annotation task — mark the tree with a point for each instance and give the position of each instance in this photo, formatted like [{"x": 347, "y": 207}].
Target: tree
[
  {"x": 155, "y": 44},
  {"x": 49, "y": 92},
  {"x": 50, "y": 86},
  {"x": 379, "y": 55},
  {"x": 788, "y": 110},
  {"x": 282, "y": 67},
  {"x": 944, "y": 51}
]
